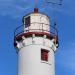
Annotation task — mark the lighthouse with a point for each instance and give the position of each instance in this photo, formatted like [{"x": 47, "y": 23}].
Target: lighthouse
[{"x": 36, "y": 42}]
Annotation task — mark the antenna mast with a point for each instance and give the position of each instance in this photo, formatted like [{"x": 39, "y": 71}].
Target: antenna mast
[
  {"x": 36, "y": 8},
  {"x": 36, "y": 1},
  {"x": 53, "y": 3}
]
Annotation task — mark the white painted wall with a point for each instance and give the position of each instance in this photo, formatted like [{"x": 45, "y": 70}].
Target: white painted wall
[
  {"x": 38, "y": 21},
  {"x": 30, "y": 63}
]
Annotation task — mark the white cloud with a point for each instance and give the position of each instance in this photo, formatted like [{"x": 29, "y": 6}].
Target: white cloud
[
  {"x": 14, "y": 8},
  {"x": 68, "y": 7}
]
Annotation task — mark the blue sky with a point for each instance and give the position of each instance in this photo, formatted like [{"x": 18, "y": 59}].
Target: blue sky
[{"x": 11, "y": 12}]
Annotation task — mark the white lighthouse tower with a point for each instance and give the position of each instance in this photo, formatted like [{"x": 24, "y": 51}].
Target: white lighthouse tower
[{"x": 36, "y": 43}]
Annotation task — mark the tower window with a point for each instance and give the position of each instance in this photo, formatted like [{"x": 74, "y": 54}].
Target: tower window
[
  {"x": 27, "y": 21},
  {"x": 44, "y": 55}
]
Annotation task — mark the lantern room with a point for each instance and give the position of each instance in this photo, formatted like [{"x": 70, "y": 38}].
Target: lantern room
[{"x": 36, "y": 22}]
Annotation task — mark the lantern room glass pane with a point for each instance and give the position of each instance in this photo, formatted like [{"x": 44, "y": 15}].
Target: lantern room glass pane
[{"x": 27, "y": 21}]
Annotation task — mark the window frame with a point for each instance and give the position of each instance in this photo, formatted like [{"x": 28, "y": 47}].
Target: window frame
[
  {"x": 44, "y": 55},
  {"x": 27, "y": 21}
]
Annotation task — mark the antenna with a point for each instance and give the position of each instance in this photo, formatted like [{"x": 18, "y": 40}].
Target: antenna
[
  {"x": 55, "y": 29},
  {"x": 36, "y": 1},
  {"x": 54, "y": 3},
  {"x": 36, "y": 8}
]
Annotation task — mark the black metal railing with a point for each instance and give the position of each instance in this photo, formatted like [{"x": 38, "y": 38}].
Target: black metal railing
[{"x": 21, "y": 29}]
